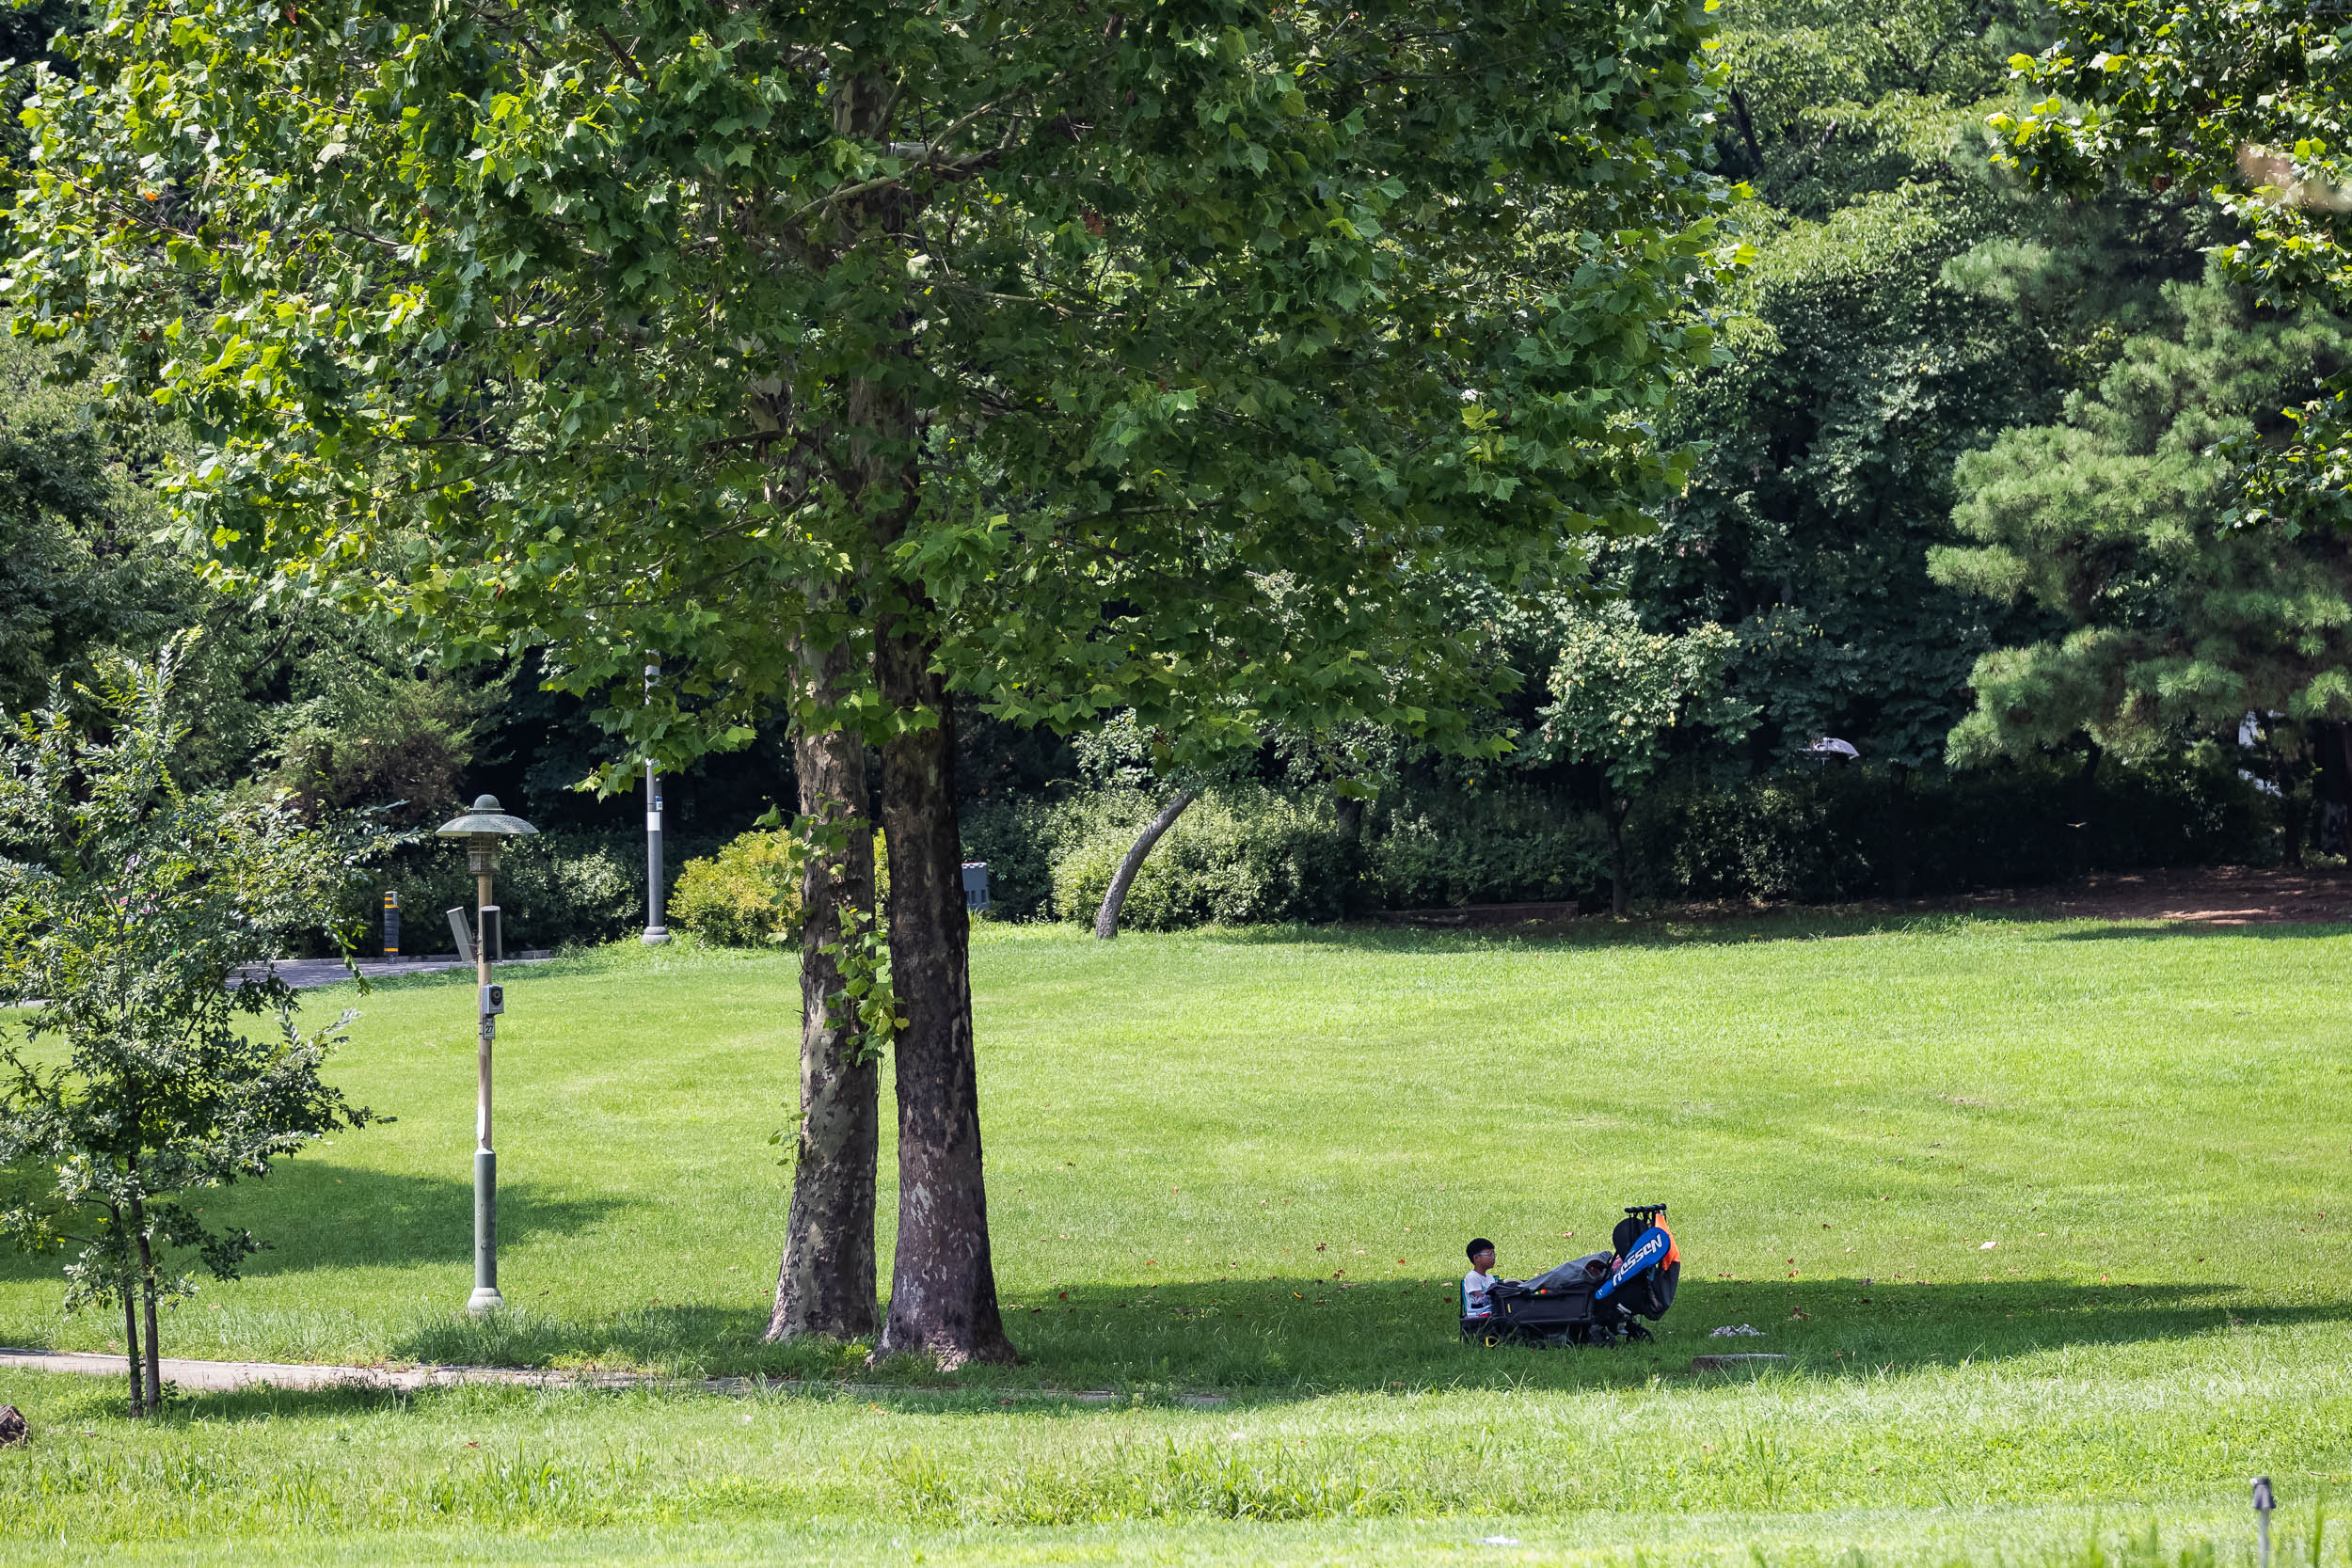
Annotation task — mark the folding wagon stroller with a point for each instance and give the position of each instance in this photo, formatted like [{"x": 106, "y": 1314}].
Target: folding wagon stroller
[{"x": 1594, "y": 1300}]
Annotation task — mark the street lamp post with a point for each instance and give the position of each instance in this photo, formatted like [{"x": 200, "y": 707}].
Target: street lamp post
[
  {"x": 481, "y": 829},
  {"x": 656, "y": 932}
]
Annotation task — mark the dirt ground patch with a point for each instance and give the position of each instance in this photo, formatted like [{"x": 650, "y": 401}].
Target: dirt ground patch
[{"x": 2206, "y": 895}]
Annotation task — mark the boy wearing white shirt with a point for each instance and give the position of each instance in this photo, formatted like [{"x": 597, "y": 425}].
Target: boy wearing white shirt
[{"x": 1480, "y": 1280}]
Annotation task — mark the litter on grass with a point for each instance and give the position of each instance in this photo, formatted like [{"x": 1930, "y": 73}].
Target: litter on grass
[{"x": 1736, "y": 1331}]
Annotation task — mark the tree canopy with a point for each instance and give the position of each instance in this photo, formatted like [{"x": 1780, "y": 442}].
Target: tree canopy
[
  {"x": 2243, "y": 101},
  {"x": 1206, "y": 326}
]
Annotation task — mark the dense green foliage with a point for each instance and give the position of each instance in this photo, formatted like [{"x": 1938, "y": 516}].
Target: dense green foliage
[
  {"x": 2242, "y": 100},
  {"x": 1241, "y": 854},
  {"x": 1620, "y": 696},
  {"x": 748, "y": 893},
  {"x": 151, "y": 1054},
  {"x": 520, "y": 305},
  {"x": 1908, "y": 303},
  {"x": 2119, "y": 523},
  {"x": 1816, "y": 835},
  {"x": 1904, "y": 307}
]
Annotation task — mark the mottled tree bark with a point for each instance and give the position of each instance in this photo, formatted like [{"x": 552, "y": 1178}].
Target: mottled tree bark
[
  {"x": 825, "y": 1284},
  {"x": 1115, "y": 896},
  {"x": 943, "y": 1285}
]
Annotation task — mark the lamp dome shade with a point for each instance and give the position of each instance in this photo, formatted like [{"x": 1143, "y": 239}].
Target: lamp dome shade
[{"x": 485, "y": 817}]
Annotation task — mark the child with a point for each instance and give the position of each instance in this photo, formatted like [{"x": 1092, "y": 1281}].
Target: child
[{"x": 1480, "y": 1280}]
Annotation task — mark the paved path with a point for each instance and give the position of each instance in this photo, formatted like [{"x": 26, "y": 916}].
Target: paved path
[
  {"x": 302, "y": 974},
  {"x": 223, "y": 1376}
]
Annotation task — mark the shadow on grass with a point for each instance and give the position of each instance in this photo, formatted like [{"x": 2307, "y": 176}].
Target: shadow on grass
[
  {"x": 315, "y": 1215},
  {"x": 1289, "y": 1337},
  {"x": 1313, "y": 1336},
  {"x": 1285, "y": 1340}
]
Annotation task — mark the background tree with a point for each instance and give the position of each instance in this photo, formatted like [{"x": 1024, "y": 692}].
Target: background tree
[
  {"x": 2242, "y": 102},
  {"x": 2120, "y": 521},
  {"x": 1620, "y": 695},
  {"x": 1080, "y": 360},
  {"x": 1908, "y": 303},
  {"x": 137, "y": 923}
]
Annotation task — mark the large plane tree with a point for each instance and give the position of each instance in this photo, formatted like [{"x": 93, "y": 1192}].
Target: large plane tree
[{"x": 1076, "y": 356}]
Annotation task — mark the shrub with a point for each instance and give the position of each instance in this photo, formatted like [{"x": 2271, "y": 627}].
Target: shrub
[
  {"x": 1241, "y": 854},
  {"x": 1431, "y": 848},
  {"x": 746, "y": 895}
]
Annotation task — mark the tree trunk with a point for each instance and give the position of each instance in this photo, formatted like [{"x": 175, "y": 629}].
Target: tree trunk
[
  {"x": 131, "y": 1323},
  {"x": 943, "y": 1284},
  {"x": 1899, "y": 833},
  {"x": 1115, "y": 896},
  {"x": 1747, "y": 130},
  {"x": 147, "y": 1298},
  {"x": 2086, "y": 793},
  {"x": 1351, "y": 816},
  {"x": 1616, "y": 858},
  {"x": 825, "y": 1284}
]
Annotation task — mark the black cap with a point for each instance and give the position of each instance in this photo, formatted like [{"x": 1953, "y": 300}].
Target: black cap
[
  {"x": 1481, "y": 1244},
  {"x": 2262, "y": 1495}
]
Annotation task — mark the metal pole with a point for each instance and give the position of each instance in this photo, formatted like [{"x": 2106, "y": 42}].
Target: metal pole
[
  {"x": 485, "y": 1160},
  {"x": 656, "y": 932}
]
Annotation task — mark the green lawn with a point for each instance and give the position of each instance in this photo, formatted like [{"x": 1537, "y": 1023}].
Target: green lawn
[{"x": 1244, "y": 1163}]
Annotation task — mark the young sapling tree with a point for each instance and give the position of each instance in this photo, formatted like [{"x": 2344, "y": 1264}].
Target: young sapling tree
[{"x": 148, "y": 1050}]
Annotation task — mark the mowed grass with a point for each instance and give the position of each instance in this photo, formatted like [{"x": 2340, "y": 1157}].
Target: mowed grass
[{"x": 1245, "y": 1163}]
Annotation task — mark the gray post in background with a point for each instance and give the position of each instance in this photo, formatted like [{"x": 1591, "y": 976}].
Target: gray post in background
[{"x": 656, "y": 932}]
